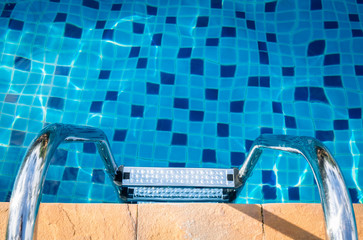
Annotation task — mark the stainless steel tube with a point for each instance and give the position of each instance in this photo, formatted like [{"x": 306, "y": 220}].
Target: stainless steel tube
[
  {"x": 29, "y": 182},
  {"x": 338, "y": 211}
]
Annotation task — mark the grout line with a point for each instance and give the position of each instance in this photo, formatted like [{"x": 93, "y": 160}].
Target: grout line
[{"x": 263, "y": 222}]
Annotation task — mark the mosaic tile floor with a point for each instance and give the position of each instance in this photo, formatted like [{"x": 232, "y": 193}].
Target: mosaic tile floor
[{"x": 182, "y": 84}]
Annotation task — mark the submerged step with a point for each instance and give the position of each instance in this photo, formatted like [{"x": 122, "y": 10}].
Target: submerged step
[{"x": 177, "y": 184}]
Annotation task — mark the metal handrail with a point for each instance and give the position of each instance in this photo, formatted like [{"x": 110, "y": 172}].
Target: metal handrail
[
  {"x": 338, "y": 211},
  {"x": 29, "y": 182}
]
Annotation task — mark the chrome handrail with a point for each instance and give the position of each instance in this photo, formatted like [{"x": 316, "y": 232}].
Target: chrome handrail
[
  {"x": 29, "y": 182},
  {"x": 338, "y": 211}
]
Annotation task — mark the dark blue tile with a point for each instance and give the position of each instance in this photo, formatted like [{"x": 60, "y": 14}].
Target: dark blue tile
[
  {"x": 91, "y": 4},
  {"x": 196, "y": 116},
  {"x": 72, "y": 31},
  {"x": 301, "y": 94},
  {"x": 212, "y": 42},
  {"x": 237, "y": 158},
  {"x": 141, "y": 63},
  {"x": 185, "y": 53},
  {"x": 56, "y": 103},
  {"x": 23, "y": 64},
  {"x": 262, "y": 46},
  {"x": 211, "y": 94},
  {"x": 248, "y": 144},
  {"x": 138, "y": 27},
  {"x": 62, "y": 70},
  {"x": 251, "y": 24},
  {"x": 134, "y": 52},
  {"x": 9, "y": 6},
  {"x": 216, "y": 4},
  {"x": 355, "y": 113},
  {"x": 70, "y": 174},
  {"x": 182, "y": 103},
  {"x": 253, "y": 81},
  {"x": 6, "y": 13},
  {"x": 357, "y": 32},
  {"x": 316, "y": 48},
  {"x": 271, "y": 37},
  {"x": 331, "y": 25},
  {"x": 100, "y": 24},
  {"x": 353, "y": 195},
  {"x": 104, "y": 74},
  {"x": 167, "y": 78},
  {"x": 266, "y": 130},
  {"x": 290, "y": 122},
  {"x": 269, "y": 193},
  {"x": 354, "y": 17},
  {"x": 236, "y": 106},
  {"x": 333, "y": 81},
  {"x": 107, "y": 34},
  {"x": 61, "y": 17},
  {"x": 197, "y": 66},
  {"x": 89, "y": 147},
  {"x": 269, "y": 177},
  {"x": 152, "y": 88},
  {"x": 171, "y": 20},
  {"x": 270, "y": 6},
  {"x": 288, "y": 71},
  {"x": 137, "y": 111},
  {"x": 358, "y": 70},
  {"x": 315, "y": 5},
  {"x": 11, "y": 98},
  {"x": 151, "y": 10},
  {"x": 96, "y": 107},
  {"x": 265, "y": 81},
  {"x": 360, "y": 1},
  {"x": 51, "y": 187},
  {"x": 176, "y": 164},
  {"x": 156, "y": 41},
  {"x": 228, "y": 70},
  {"x": 16, "y": 24},
  {"x": 98, "y": 176},
  {"x": 228, "y": 32},
  {"x": 294, "y": 193},
  {"x": 119, "y": 135},
  {"x": 240, "y": 14},
  {"x": 57, "y": 1},
  {"x": 179, "y": 139},
  {"x": 111, "y": 95},
  {"x": 164, "y": 125},
  {"x": 116, "y": 7},
  {"x": 202, "y": 21},
  {"x": 341, "y": 125},
  {"x": 59, "y": 157},
  {"x": 277, "y": 107},
  {"x": 264, "y": 58},
  {"x": 317, "y": 94},
  {"x": 222, "y": 130},
  {"x": 325, "y": 135},
  {"x": 17, "y": 138},
  {"x": 209, "y": 155},
  {"x": 332, "y": 59}
]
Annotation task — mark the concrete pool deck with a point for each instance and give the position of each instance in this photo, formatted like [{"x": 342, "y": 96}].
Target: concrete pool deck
[{"x": 179, "y": 221}]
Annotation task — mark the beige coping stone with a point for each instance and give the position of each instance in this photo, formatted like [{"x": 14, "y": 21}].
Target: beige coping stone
[
  {"x": 199, "y": 221},
  {"x": 179, "y": 221},
  {"x": 81, "y": 221},
  {"x": 300, "y": 221}
]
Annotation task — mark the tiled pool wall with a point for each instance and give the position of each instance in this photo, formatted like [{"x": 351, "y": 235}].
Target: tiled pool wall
[{"x": 182, "y": 84}]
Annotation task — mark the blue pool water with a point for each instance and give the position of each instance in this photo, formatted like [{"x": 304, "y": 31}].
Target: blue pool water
[{"x": 182, "y": 84}]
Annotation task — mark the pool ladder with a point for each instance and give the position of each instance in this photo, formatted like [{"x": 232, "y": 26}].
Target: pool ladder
[{"x": 134, "y": 184}]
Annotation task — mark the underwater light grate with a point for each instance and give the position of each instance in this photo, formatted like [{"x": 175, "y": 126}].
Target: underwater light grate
[{"x": 176, "y": 184}]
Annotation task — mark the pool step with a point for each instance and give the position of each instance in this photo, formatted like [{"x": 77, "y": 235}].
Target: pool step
[{"x": 177, "y": 184}]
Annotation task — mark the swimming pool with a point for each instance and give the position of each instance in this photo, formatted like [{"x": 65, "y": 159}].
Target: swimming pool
[{"x": 183, "y": 84}]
